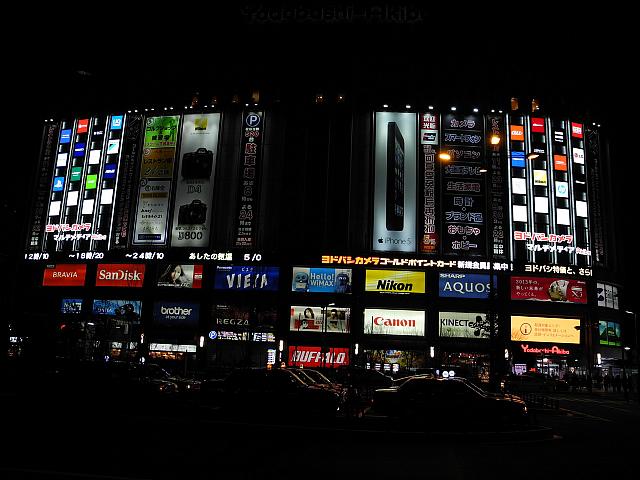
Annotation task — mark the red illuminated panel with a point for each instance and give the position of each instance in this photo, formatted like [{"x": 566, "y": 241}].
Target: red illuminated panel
[
  {"x": 197, "y": 276},
  {"x": 120, "y": 275},
  {"x": 537, "y": 125},
  {"x": 65, "y": 275},
  {"x": 560, "y": 162},
  {"x": 517, "y": 132},
  {"x": 83, "y": 126},
  {"x": 314, "y": 357},
  {"x": 558, "y": 290},
  {"x": 576, "y": 130}
]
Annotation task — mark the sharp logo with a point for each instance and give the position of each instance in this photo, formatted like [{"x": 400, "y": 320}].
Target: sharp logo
[
  {"x": 176, "y": 311},
  {"x": 126, "y": 275},
  {"x": 395, "y": 286}
]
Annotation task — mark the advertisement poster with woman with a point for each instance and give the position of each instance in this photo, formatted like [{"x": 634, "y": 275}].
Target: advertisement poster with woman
[{"x": 319, "y": 319}]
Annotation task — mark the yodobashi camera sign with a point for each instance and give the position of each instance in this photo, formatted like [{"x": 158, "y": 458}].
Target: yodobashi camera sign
[
  {"x": 465, "y": 285},
  {"x": 394, "y": 322},
  {"x": 194, "y": 190},
  {"x": 171, "y": 314},
  {"x": 463, "y": 325}
]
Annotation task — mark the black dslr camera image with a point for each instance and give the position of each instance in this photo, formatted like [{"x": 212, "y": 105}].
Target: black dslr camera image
[
  {"x": 197, "y": 164},
  {"x": 192, "y": 213}
]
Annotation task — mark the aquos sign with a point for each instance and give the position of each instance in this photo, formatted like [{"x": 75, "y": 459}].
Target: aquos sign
[
  {"x": 394, "y": 322},
  {"x": 394, "y": 281},
  {"x": 465, "y": 285}
]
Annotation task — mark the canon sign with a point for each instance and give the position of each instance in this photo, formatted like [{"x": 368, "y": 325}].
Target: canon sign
[
  {"x": 120, "y": 275},
  {"x": 394, "y": 322}
]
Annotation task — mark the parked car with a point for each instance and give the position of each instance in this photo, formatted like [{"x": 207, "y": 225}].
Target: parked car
[
  {"x": 277, "y": 393},
  {"x": 316, "y": 379},
  {"x": 451, "y": 402}
]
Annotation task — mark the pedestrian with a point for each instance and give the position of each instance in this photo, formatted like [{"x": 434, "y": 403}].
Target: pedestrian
[
  {"x": 607, "y": 381},
  {"x": 625, "y": 387},
  {"x": 617, "y": 383}
]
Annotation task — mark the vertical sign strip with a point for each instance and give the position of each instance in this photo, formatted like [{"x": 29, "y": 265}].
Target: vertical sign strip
[
  {"x": 125, "y": 180},
  {"x": 580, "y": 218},
  {"x": 498, "y": 222},
  {"x": 519, "y": 188},
  {"x": 106, "y": 174},
  {"x": 156, "y": 177},
  {"x": 42, "y": 190},
  {"x": 250, "y": 169},
  {"x": 595, "y": 195},
  {"x": 463, "y": 205},
  {"x": 193, "y": 205},
  {"x": 394, "y": 194},
  {"x": 429, "y": 142}
]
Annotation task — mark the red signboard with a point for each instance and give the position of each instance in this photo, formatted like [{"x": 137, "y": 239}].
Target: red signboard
[
  {"x": 120, "y": 275},
  {"x": 65, "y": 275},
  {"x": 548, "y": 289},
  {"x": 576, "y": 130},
  {"x": 537, "y": 125},
  {"x": 83, "y": 125},
  {"x": 315, "y": 357}
]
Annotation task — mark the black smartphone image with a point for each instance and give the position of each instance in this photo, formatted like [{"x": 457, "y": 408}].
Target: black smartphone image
[{"x": 395, "y": 178}]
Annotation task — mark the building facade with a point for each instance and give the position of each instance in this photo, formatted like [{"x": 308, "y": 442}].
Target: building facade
[{"x": 397, "y": 239}]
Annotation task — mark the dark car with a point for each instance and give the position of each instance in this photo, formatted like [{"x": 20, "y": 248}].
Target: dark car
[
  {"x": 452, "y": 402},
  {"x": 532, "y": 382},
  {"x": 276, "y": 393},
  {"x": 316, "y": 379}
]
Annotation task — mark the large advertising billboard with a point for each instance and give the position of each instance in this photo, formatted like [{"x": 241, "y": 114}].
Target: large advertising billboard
[
  {"x": 317, "y": 357},
  {"x": 607, "y": 295},
  {"x": 176, "y": 314},
  {"x": 465, "y": 285},
  {"x": 548, "y": 289},
  {"x": 124, "y": 309},
  {"x": 180, "y": 275},
  {"x": 609, "y": 333},
  {"x": 156, "y": 175},
  {"x": 394, "y": 202},
  {"x": 64, "y": 275},
  {"x": 120, "y": 275},
  {"x": 463, "y": 325},
  {"x": 71, "y": 305},
  {"x": 394, "y": 322},
  {"x": 246, "y": 278},
  {"x": 193, "y": 210},
  {"x": 321, "y": 280},
  {"x": 244, "y": 317},
  {"x": 319, "y": 319},
  {"x": 545, "y": 329},
  {"x": 395, "y": 281},
  {"x": 428, "y": 234}
]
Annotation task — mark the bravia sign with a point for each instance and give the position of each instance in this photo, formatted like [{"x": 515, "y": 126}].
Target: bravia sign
[
  {"x": 120, "y": 275},
  {"x": 64, "y": 275}
]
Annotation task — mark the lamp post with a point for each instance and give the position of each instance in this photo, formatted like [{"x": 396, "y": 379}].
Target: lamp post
[{"x": 637, "y": 354}]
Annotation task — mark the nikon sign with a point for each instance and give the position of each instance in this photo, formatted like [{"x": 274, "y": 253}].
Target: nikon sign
[{"x": 395, "y": 281}]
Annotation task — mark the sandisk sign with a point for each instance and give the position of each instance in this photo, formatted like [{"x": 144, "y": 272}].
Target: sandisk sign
[
  {"x": 120, "y": 275},
  {"x": 303, "y": 356},
  {"x": 64, "y": 275},
  {"x": 394, "y": 322}
]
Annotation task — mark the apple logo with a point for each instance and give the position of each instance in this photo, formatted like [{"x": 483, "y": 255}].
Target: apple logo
[{"x": 381, "y": 240}]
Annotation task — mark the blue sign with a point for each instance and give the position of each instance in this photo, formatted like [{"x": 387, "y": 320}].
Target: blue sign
[
  {"x": 127, "y": 309},
  {"x": 247, "y": 278},
  {"x": 110, "y": 170},
  {"x": 65, "y": 136},
  {"x": 58, "y": 184},
  {"x": 213, "y": 334},
  {"x": 78, "y": 150},
  {"x": 322, "y": 280},
  {"x": 71, "y": 305},
  {"x": 116, "y": 122},
  {"x": 465, "y": 285},
  {"x": 174, "y": 314},
  {"x": 517, "y": 159}
]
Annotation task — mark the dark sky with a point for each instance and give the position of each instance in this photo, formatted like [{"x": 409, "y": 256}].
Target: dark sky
[{"x": 574, "y": 58}]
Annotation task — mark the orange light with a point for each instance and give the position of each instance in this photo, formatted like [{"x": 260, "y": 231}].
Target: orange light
[
  {"x": 444, "y": 156},
  {"x": 495, "y": 140}
]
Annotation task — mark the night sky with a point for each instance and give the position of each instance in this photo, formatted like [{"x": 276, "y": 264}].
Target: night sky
[{"x": 574, "y": 61}]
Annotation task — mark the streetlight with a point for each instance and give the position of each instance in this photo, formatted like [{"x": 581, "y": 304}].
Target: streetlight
[{"x": 637, "y": 354}]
